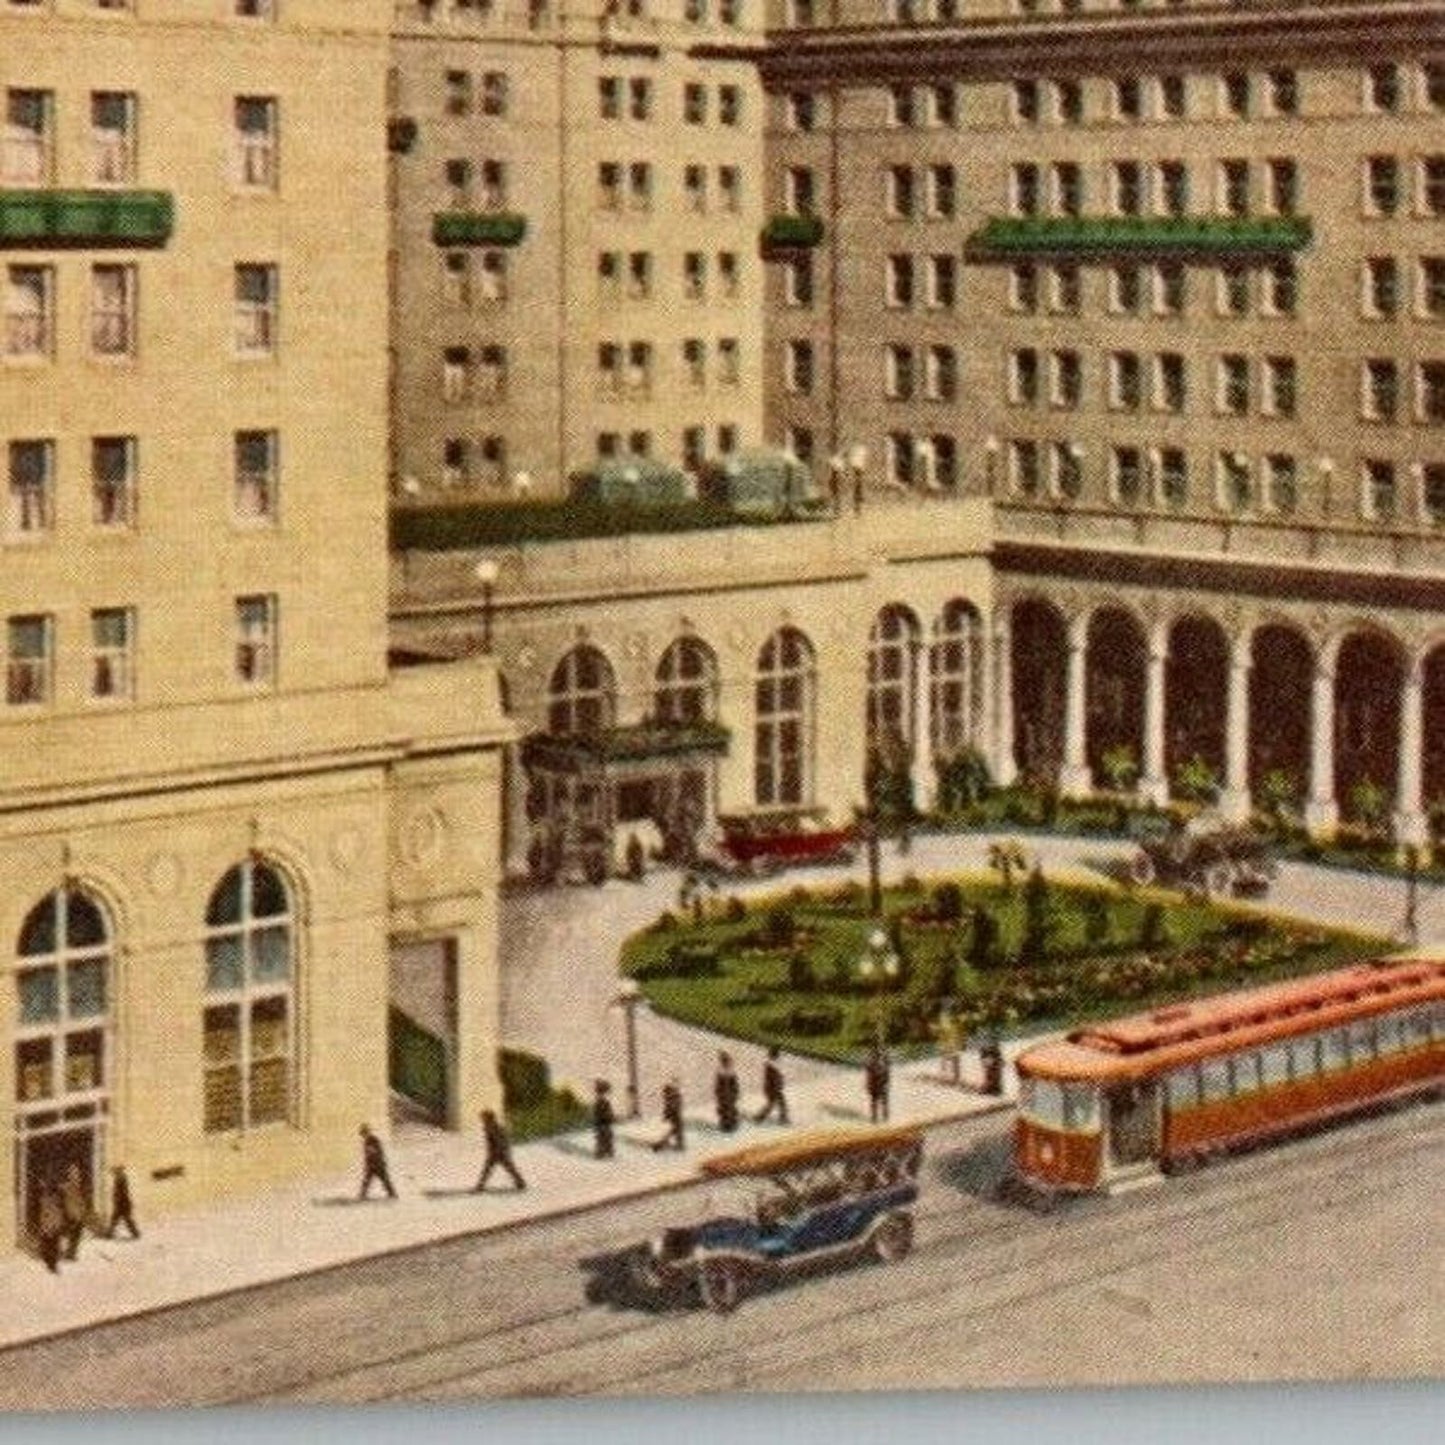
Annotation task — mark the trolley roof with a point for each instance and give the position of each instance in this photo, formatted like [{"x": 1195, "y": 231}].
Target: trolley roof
[
  {"x": 1137, "y": 1044},
  {"x": 813, "y": 1147}
]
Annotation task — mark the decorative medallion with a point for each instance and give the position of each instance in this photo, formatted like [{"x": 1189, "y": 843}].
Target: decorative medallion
[
  {"x": 163, "y": 874},
  {"x": 345, "y": 849},
  {"x": 423, "y": 837}
]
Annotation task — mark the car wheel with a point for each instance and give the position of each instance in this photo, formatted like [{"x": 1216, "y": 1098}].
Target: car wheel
[
  {"x": 893, "y": 1239},
  {"x": 721, "y": 1284},
  {"x": 1141, "y": 870}
]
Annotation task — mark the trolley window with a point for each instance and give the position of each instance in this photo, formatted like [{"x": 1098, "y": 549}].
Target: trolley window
[
  {"x": 1274, "y": 1065},
  {"x": 1304, "y": 1056},
  {"x": 1182, "y": 1087},
  {"x": 1390, "y": 1033},
  {"x": 1214, "y": 1080},
  {"x": 1042, "y": 1101},
  {"x": 1335, "y": 1047},
  {"x": 1081, "y": 1107},
  {"x": 1362, "y": 1040},
  {"x": 1246, "y": 1073},
  {"x": 1416, "y": 1027}
]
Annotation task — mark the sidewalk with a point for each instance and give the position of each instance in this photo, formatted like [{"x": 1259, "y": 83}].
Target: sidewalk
[{"x": 318, "y": 1223}]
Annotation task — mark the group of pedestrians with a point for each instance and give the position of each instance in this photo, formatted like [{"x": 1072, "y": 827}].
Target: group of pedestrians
[
  {"x": 496, "y": 1141},
  {"x": 64, "y": 1210}
]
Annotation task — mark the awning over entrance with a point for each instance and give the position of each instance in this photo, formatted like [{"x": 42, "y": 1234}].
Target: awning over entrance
[{"x": 630, "y": 743}]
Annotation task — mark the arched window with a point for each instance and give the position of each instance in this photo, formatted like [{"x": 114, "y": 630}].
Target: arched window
[
  {"x": 686, "y": 689},
  {"x": 955, "y": 677},
  {"x": 892, "y": 679},
  {"x": 62, "y": 980},
  {"x": 785, "y": 700},
  {"x": 250, "y": 1014},
  {"x": 582, "y": 696}
]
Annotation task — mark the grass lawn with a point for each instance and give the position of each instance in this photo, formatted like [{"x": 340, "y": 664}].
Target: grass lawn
[{"x": 786, "y": 970}]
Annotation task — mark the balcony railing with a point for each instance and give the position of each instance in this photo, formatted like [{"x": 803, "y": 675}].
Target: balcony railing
[
  {"x": 94, "y": 219},
  {"x": 1005, "y": 236},
  {"x": 792, "y": 233},
  {"x": 478, "y": 228}
]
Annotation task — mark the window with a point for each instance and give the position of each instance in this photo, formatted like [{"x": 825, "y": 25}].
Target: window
[
  {"x": 1234, "y": 187},
  {"x": 729, "y": 105},
  {"x": 1173, "y": 188},
  {"x": 1432, "y": 491},
  {"x": 1024, "y": 472},
  {"x": 1023, "y": 377},
  {"x": 1128, "y": 98},
  {"x": 1282, "y": 87},
  {"x": 1127, "y": 179},
  {"x": 1378, "y": 497},
  {"x": 694, "y": 447},
  {"x": 1432, "y": 185},
  {"x": 1233, "y": 387},
  {"x": 800, "y": 192},
  {"x": 1068, "y": 102},
  {"x": 1126, "y": 289},
  {"x": 609, "y": 97},
  {"x": 685, "y": 689},
  {"x": 639, "y": 367},
  {"x": 1125, "y": 381},
  {"x": 29, "y": 312},
  {"x": 1234, "y": 95},
  {"x": 694, "y": 187},
  {"x": 112, "y": 137},
  {"x": 248, "y": 1018},
  {"x": 1231, "y": 291},
  {"x": 1023, "y": 287},
  {"x": 459, "y": 92},
  {"x": 255, "y": 289},
  {"x": 800, "y": 444},
  {"x": 727, "y": 439},
  {"x": 1066, "y": 379},
  {"x": 113, "y": 481},
  {"x": 784, "y": 700},
  {"x": 900, "y": 191},
  {"x": 1430, "y": 392},
  {"x": 494, "y": 93},
  {"x": 28, "y": 660},
  {"x": 1024, "y": 101},
  {"x": 1280, "y": 292},
  {"x": 609, "y": 186},
  {"x": 728, "y": 274},
  {"x": 730, "y": 187},
  {"x": 639, "y": 275},
  {"x": 899, "y": 271},
  {"x": 256, "y": 641},
  {"x": 492, "y": 272},
  {"x": 942, "y": 105},
  {"x": 899, "y": 453},
  {"x": 1068, "y": 189},
  {"x": 1024, "y": 199},
  {"x": 492, "y": 450},
  {"x": 1065, "y": 288},
  {"x": 1382, "y": 89},
  {"x": 1382, "y": 185},
  {"x": 112, "y": 653},
  {"x": 798, "y": 367},
  {"x": 494, "y": 185},
  {"x": 1235, "y": 483},
  {"x": 942, "y": 282},
  {"x": 694, "y": 104},
  {"x": 639, "y": 98},
  {"x": 458, "y": 176},
  {"x": 1172, "y": 97},
  {"x": 1281, "y": 480},
  {"x": 456, "y": 471},
  {"x": 1380, "y": 390},
  {"x": 1380, "y": 286},
  {"x": 694, "y": 275},
  {"x": 941, "y": 191},
  {"x": 900, "y": 105},
  {"x": 255, "y": 9},
  {"x": 798, "y": 281},
  {"x": 1282, "y": 193},
  {"x": 1173, "y": 474},
  {"x": 1432, "y": 84},
  {"x": 1280, "y": 388},
  {"x": 25, "y": 155},
  {"x": 32, "y": 488},
  {"x": 729, "y": 363},
  {"x": 1066, "y": 460},
  {"x": 639, "y": 186},
  {"x": 898, "y": 373},
  {"x": 955, "y": 679},
  {"x": 1126, "y": 476},
  {"x": 1171, "y": 386},
  {"x": 112, "y": 310},
  {"x": 941, "y": 376},
  {"x": 256, "y": 140},
  {"x": 894, "y": 645},
  {"x": 1431, "y": 291},
  {"x": 694, "y": 361},
  {"x": 256, "y": 475},
  {"x": 1169, "y": 289}
]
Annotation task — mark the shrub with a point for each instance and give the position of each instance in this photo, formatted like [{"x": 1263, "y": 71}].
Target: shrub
[
  {"x": 779, "y": 928},
  {"x": 735, "y": 910},
  {"x": 801, "y": 977},
  {"x": 526, "y": 1079},
  {"x": 963, "y": 781},
  {"x": 799, "y": 896},
  {"x": 948, "y": 903},
  {"x": 910, "y": 883},
  {"x": 683, "y": 960},
  {"x": 1098, "y": 919},
  {"x": 812, "y": 1021},
  {"x": 1034, "y": 945},
  {"x": 666, "y": 922},
  {"x": 1153, "y": 930},
  {"x": 983, "y": 939}
]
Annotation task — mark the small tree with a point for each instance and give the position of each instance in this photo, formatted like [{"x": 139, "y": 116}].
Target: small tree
[
  {"x": 1153, "y": 932},
  {"x": 1120, "y": 767},
  {"x": 1369, "y": 805},
  {"x": 1034, "y": 945},
  {"x": 983, "y": 939},
  {"x": 801, "y": 978},
  {"x": 948, "y": 903},
  {"x": 1006, "y": 858},
  {"x": 963, "y": 780},
  {"x": 1196, "y": 781},
  {"x": 1098, "y": 919},
  {"x": 1278, "y": 795}
]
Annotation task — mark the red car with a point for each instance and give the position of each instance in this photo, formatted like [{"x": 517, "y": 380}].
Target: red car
[{"x": 767, "y": 842}]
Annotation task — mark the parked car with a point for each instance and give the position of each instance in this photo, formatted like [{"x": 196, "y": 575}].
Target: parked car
[
  {"x": 767, "y": 841},
  {"x": 1207, "y": 856},
  {"x": 833, "y": 1196}
]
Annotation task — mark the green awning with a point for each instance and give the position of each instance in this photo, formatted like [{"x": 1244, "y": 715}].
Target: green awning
[
  {"x": 478, "y": 228},
  {"x": 1006, "y": 236},
  {"x": 93, "y": 219},
  {"x": 792, "y": 233}
]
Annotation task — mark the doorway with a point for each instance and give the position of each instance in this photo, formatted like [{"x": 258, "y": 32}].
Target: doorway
[
  {"x": 1134, "y": 1124},
  {"x": 46, "y": 1158}
]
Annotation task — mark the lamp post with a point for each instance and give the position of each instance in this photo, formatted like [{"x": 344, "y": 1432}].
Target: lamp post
[
  {"x": 1412, "y": 895},
  {"x": 857, "y": 464},
  {"x": 879, "y": 962},
  {"x": 486, "y": 573},
  {"x": 629, "y": 999}
]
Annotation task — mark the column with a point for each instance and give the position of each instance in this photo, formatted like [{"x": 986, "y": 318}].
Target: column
[
  {"x": 1074, "y": 779},
  {"x": 1411, "y": 826},
  {"x": 925, "y": 778},
  {"x": 1234, "y": 801},
  {"x": 1153, "y": 781},
  {"x": 1322, "y": 813},
  {"x": 1005, "y": 758},
  {"x": 514, "y": 800},
  {"x": 981, "y": 718}
]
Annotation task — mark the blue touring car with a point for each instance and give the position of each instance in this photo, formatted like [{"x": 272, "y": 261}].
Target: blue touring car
[{"x": 835, "y": 1195}]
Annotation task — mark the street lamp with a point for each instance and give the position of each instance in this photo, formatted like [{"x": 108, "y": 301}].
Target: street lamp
[
  {"x": 629, "y": 999},
  {"x": 486, "y": 573},
  {"x": 879, "y": 962},
  {"x": 857, "y": 464}
]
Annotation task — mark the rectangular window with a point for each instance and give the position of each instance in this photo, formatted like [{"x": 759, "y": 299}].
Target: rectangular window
[
  {"x": 1128, "y": 98},
  {"x": 639, "y": 367},
  {"x": 694, "y": 104},
  {"x": 1282, "y": 187},
  {"x": 1023, "y": 287},
  {"x": 1430, "y": 392},
  {"x": 1024, "y": 100},
  {"x": 1431, "y": 289},
  {"x": 1281, "y": 386},
  {"x": 1173, "y": 478},
  {"x": 694, "y": 447},
  {"x": 798, "y": 374},
  {"x": 1234, "y": 187},
  {"x": 609, "y": 186},
  {"x": 26, "y": 147},
  {"x": 256, "y": 142},
  {"x": 28, "y": 660},
  {"x": 639, "y": 98},
  {"x": 1023, "y": 377},
  {"x": 1172, "y": 97},
  {"x": 112, "y": 137},
  {"x": 1232, "y": 396},
  {"x": 727, "y": 440},
  {"x": 1173, "y": 188},
  {"x": 694, "y": 276},
  {"x": 899, "y": 270},
  {"x": 1380, "y": 389},
  {"x": 256, "y": 300},
  {"x": 1231, "y": 291},
  {"x": 256, "y": 475},
  {"x": 1380, "y": 286},
  {"x": 1432, "y": 85},
  {"x": 492, "y": 275},
  {"x": 1024, "y": 198},
  {"x": 256, "y": 641},
  {"x": 1065, "y": 288},
  {"x": 900, "y": 191},
  {"x": 639, "y": 186},
  {"x": 639, "y": 275},
  {"x": 728, "y": 274},
  {"x": 456, "y": 466},
  {"x": 1234, "y": 95},
  {"x": 1068, "y": 102},
  {"x": 1126, "y": 479},
  {"x": 941, "y": 377},
  {"x": 1432, "y": 484},
  {"x": 729, "y": 105},
  {"x": 898, "y": 373},
  {"x": 457, "y": 174},
  {"x": 459, "y": 92},
  {"x": 900, "y": 105},
  {"x": 1068, "y": 188},
  {"x": 1125, "y": 381},
  {"x": 730, "y": 187},
  {"x": 800, "y": 444},
  {"x": 1280, "y": 291},
  {"x": 1169, "y": 289},
  {"x": 729, "y": 361},
  {"x": 493, "y": 195},
  {"x": 1066, "y": 460},
  {"x": 1171, "y": 385},
  {"x": 1379, "y": 497},
  {"x": 495, "y": 93},
  {"x": 694, "y": 361},
  {"x": 1234, "y": 483},
  {"x": 942, "y": 188},
  {"x": 798, "y": 281},
  {"x": 1066, "y": 379},
  {"x": 802, "y": 111},
  {"x": 1126, "y": 290},
  {"x": 112, "y": 310},
  {"x": 609, "y": 97},
  {"x": 800, "y": 191},
  {"x": 1382, "y": 89},
  {"x": 900, "y": 460},
  {"x": 1282, "y": 87},
  {"x": 1024, "y": 470},
  {"x": 112, "y": 653},
  {"x": 1382, "y": 185},
  {"x": 113, "y": 481},
  {"x": 31, "y": 489},
  {"x": 1432, "y": 185},
  {"x": 1281, "y": 475},
  {"x": 1127, "y": 178},
  {"x": 942, "y": 282},
  {"x": 942, "y": 105},
  {"x": 29, "y": 313}
]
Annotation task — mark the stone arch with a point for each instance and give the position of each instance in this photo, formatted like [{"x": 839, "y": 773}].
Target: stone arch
[
  {"x": 1281, "y": 676},
  {"x": 1369, "y": 675},
  {"x": 685, "y": 682},
  {"x": 1196, "y": 695},
  {"x": 1115, "y": 678},
  {"x": 581, "y": 692},
  {"x": 1039, "y": 660}
]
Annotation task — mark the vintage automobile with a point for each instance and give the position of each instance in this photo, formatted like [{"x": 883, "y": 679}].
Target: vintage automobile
[
  {"x": 1206, "y": 856},
  {"x": 824, "y": 1197},
  {"x": 768, "y": 840}
]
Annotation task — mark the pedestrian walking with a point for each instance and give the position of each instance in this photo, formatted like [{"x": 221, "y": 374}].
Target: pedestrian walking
[
  {"x": 499, "y": 1152},
  {"x": 775, "y": 1098},
  {"x": 50, "y": 1225},
  {"x": 75, "y": 1203},
  {"x": 726, "y": 1092},
  {"x": 373, "y": 1165},
  {"x": 876, "y": 1079},
  {"x": 122, "y": 1206},
  {"x": 672, "y": 1116},
  {"x": 603, "y": 1118}
]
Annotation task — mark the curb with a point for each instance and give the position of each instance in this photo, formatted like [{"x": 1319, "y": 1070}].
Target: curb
[{"x": 544, "y": 1215}]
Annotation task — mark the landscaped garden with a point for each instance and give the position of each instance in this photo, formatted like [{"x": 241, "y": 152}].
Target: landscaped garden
[{"x": 812, "y": 971}]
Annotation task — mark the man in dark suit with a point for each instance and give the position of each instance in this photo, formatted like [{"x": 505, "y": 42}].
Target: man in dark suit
[
  {"x": 603, "y": 1118},
  {"x": 876, "y": 1079},
  {"x": 122, "y": 1206},
  {"x": 373, "y": 1165},
  {"x": 672, "y": 1117},
  {"x": 726, "y": 1092},
  {"x": 499, "y": 1152},
  {"x": 775, "y": 1099}
]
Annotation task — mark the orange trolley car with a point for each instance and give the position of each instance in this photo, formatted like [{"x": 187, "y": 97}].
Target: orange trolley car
[{"x": 1121, "y": 1101}]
